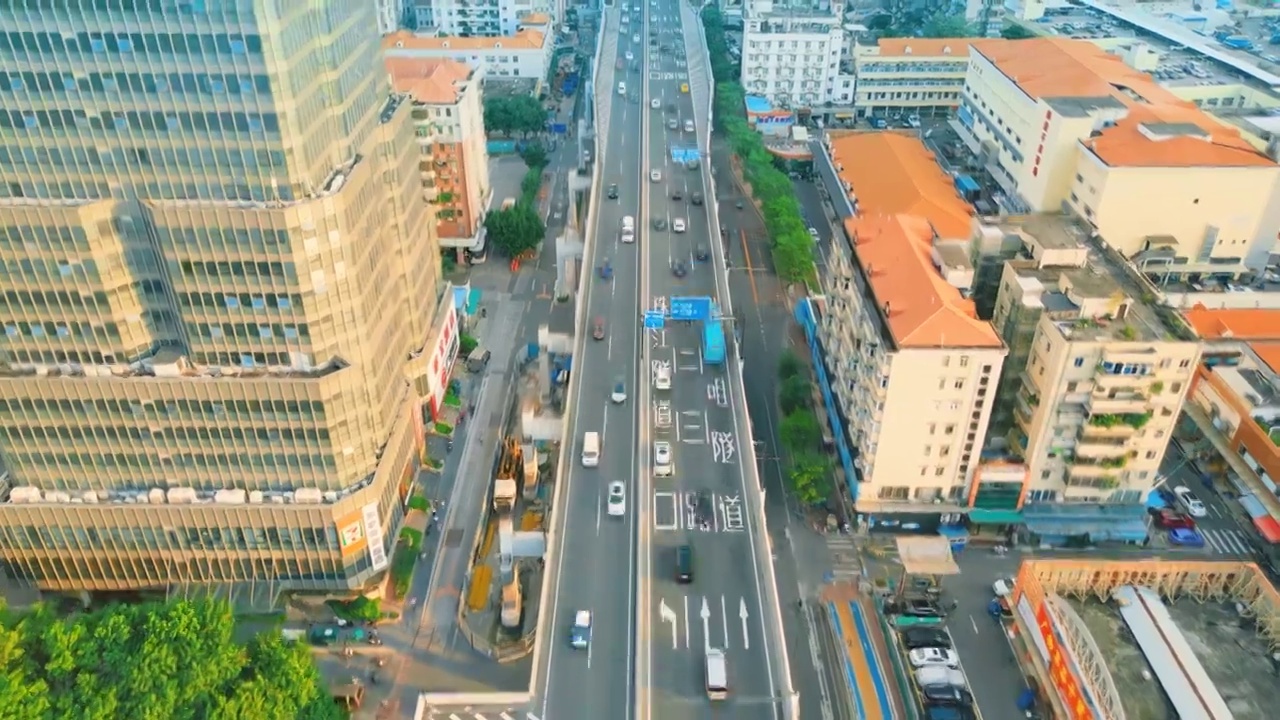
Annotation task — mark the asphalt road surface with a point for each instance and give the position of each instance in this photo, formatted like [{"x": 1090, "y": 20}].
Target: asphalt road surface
[
  {"x": 595, "y": 568},
  {"x": 701, "y": 503}
]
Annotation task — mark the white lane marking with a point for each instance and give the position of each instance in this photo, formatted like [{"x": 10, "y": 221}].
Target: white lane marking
[
  {"x": 609, "y": 348},
  {"x": 686, "y": 622},
  {"x": 667, "y": 499},
  {"x": 668, "y": 615},
  {"x": 599, "y": 509},
  {"x": 974, "y": 623},
  {"x": 742, "y": 615},
  {"x": 724, "y": 618}
]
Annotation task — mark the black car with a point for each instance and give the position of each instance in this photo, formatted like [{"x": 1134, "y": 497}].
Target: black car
[
  {"x": 684, "y": 564},
  {"x": 935, "y": 711},
  {"x": 915, "y": 607},
  {"x": 946, "y": 695},
  {"x": 613, "y": 191},
  {"x": 677, "y": 195},
  {"x": 659, "y": 223},
  {"x": 701, "y": 254},
  {"x": 696, "y": 198},
  {"x": 679, "y": 269},
  {"x": 924, "y": 637}
]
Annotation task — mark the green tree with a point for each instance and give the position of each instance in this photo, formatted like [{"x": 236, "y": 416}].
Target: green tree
[
  {"x": 515, "y": 229},
  {"x": 810, "y": 476},
  {"x": 534, "y": 155},
  {"x": 947, "y": 26},
  {"x": 789, "y": 365},
  {"x": 154, "y": 661},
  {"x": 1016, "y": 32},
  {"x": 514, "y": 114},
  {"x": 794, "y": 394},
  {"x": 800, "y": 431}
]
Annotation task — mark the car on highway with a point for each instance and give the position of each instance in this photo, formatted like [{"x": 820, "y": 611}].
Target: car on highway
[
  {"x": 684, "y": 564},
  {"x": 695, "y": 198},
  {"x": 914, "y": 607},
  {"x": 921, "y": 657},
  {"x": 1168, "y": 519},
  {"x": 655, "y": 175},
  {"x": 622, "y": 88},
  {"x": 677, "y": 195},
  {"x": 635, "y": 39},
  {"x": 628, "y": 55},
  {"x": 1186, "y": 537},
  {"x": 659, "y": 223},
  {"x": 673, "y": 124},
  {"x": 580, "y": 633},
  {"x": 923, "y": 637},
  {"x": 1190, "y": 502},
  {"x": 613, "y": 191},
  {"x": 679, "y": 269},
  {"x": 662, "y": 466},
  {"x": 617, "y": 499},
  {"x": 677, "y": 224},
  {"x": 688, "y": 126},
  {"x": 813, "y": 233},
  {"x": 597, "y": 328},
  {"x": 619, "y": 394},
  {"x": 662, "y": 377},
  {"x": 655, "y": 103},
  {"x": 700, "y": 253}
]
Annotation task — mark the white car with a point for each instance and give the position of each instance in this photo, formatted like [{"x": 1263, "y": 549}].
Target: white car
[
  {"x": 655, "y": 103},
  {"x": 655, "y": 175},
  {"x": 617, "y": 499},
  {"x": 662, "y": 377},
  {"x": 813, "y": 233},
  {"x": 619, "y": 394},
  {"x": 1194, "y": 507},
  {"x": 635, "y": 39},
  {"x": 1003, "y": 587},
  {"x": 677, "y": 224},
  {"x": 924, "y": 657},
  {"x": 629, "y": 56},
  {"x": 662, "y": 459},
  {"x": 580, "y": 633}
]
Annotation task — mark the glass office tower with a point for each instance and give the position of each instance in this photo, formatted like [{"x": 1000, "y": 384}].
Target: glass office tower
[{"x": 216, "y": 268}]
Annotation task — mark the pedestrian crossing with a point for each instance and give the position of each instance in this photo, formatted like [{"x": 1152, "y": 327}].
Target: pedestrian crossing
[
  {"x": 846, "y": 566},
  {"x": 1226, "y": 542}
]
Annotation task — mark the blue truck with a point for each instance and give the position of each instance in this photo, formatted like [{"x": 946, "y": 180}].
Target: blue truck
[{"x": 712, "y": 342}]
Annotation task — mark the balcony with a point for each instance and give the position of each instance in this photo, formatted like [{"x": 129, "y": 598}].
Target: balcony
[
  {"x": 1101, "y": 449},
  {"x": 1095, "y": 433},
  {"x": 1125, "y": 404},
  {"x": 1028, "y": 382},
  {"x": 1027, "y": 403},
  {"x": 1135, "y": 421},
  {"x": 1093, "y": 471}
]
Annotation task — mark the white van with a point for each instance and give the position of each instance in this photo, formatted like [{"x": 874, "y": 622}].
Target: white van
[
  {"x": 717, "y": 674},
  {"x": 688, "y": 126},
  {"x": 590, "y": 449},
  {"x": 628, "y": 223},
  {"x": 622, "y": 88}
]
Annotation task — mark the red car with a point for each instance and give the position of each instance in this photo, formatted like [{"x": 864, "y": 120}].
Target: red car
[{"x": 1171, "y": 519}]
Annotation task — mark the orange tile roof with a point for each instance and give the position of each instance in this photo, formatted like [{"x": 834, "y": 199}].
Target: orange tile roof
[
  {"x": 894, "y": 173},
  {"x": 924, "y": 310},
  {"x": 429, "y": 80},
  {"x": 523, "y": 40},
  {"x": 1269, "y": 353},
  {"x": 1047, "y": 68},
  {"x": 1234, "y": 323},
  {"x": 924, "y": 47}
]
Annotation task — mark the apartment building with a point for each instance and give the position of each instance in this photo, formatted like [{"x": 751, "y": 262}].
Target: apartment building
[
  {"x": 1096, "y": 378},
  {"x": 215, "y": 268},
  {"x": 910, "y": 76},
  {"x": 791, "y": 53},
  {"x": 392, "y": 14},
  {"x": 524, "y": 55},
  {"x": 1235, "y": 402},
  {"x": 912, "y": 368},
  {"x": 477, "y": 18},
  {"x": 448, "y": 110},
  {"x": 1063, "y": 124}
]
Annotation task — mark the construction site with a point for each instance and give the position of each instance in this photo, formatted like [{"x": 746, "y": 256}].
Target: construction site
[{"x": 1148, "y": 639}]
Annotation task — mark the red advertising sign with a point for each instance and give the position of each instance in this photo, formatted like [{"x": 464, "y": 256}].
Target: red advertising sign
[{"x": 1060, "y": 670}]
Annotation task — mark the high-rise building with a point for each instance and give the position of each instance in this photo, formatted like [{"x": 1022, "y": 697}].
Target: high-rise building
[
  {"x": 219, "y": 275},
  {"x": 791, "y": 53}
]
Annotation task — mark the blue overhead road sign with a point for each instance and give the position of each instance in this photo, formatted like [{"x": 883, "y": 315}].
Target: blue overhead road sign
[
  {"x": 653, "y": 320},
  {"x": 690, "y": 308},
  {"x": 684, "y": 155}
]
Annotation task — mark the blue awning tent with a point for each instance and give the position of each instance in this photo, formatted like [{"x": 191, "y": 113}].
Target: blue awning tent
[
  {"x": 966, "y": 184},
  {"x": 1054, "y": 523}
]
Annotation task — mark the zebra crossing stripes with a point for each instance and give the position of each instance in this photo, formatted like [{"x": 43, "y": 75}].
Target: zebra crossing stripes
[
  {"x": 845, "y": 563},
  {"x": 1226, "y": 542}
]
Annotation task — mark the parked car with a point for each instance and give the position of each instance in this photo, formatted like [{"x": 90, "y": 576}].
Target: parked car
[
  {"x": 1190, "y": 502},
  {"x": 914, "y": 607},
  {"x": 920, "y": 657},
  {"x": 946, "y": 695},
  {"x": 580, "y": 633},
  {"x": 1002, "y": 588},
  {"x": 922, "y": 637},
  {"x": 1186, "y": 537},
  {"x": 1167, "y": 519}
]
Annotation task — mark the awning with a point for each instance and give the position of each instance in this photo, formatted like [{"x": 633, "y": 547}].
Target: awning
[
  {"x": 966, "y": 184},
  {"x": 1098, "y": 529},
  {"x": 983, "y": 516},
  {"x": 1268, "y": 528}
]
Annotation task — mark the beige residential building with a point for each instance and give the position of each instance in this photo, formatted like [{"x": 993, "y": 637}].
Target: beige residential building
[
  {"x": 524, "y": 55},
  {"x": 913, "y": 369},
  {"x": 448, "y": 111},
  {"x": 215, "y": 276},
  {"x": 1062, "y": 124},
  {"x": 1096, "y": 378},
  {"x": 910, "y": 76}
]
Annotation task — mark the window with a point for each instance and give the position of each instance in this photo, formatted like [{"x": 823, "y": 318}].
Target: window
[
  {"x": 964, "y": 361},
  {"x": 1078, "y": 362}
]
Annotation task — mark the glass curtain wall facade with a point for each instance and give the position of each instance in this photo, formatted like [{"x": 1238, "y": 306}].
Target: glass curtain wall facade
[{"x": 216, "y": 264}]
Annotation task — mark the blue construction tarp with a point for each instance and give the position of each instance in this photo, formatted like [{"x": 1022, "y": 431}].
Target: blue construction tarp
[{"x": 966, "y": 184}]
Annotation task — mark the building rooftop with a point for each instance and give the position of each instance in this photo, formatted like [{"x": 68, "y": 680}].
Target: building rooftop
[
  {"x": 921, "y": 309},
  {"x": 927, "y": 47},
  {"x": 1237, "y": 324},
  {"x": 893, "y": 173},
  {"x": 437, "y": 81},
  {"x": 524, "y": 39},
  {"x": 1160, "y": 130}
]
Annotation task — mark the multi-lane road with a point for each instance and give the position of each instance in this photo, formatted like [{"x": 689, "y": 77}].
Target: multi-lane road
[{"x": 650, "y": 634}]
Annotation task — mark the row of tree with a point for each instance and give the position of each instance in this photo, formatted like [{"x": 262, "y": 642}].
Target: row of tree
[
  {"x": 910, "y": 21},
  {"x": 514, "y": 115},
  {"x": 519, "y": 228},
  {"x": 792, "y": 247},
  {"x": 809, "y": 468},
  {"x": 154, "y": 661}
]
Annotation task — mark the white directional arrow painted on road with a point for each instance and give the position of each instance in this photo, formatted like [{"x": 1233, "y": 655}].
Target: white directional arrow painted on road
[
  {"x": 742, "y": 613},
  {"x": 668, "y": 615},
  {"x": 706, "y": 624}
]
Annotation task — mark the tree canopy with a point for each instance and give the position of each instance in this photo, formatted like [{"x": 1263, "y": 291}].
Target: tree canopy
[
  {"x": 154, "y": 661},
  {"x": 515, "y": 230},
  {"x": 1016, "y": 32},
  {"x": 514, "y": 114}
]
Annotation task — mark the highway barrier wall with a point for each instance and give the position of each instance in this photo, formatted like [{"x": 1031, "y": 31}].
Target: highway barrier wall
[{"x": 771, "y": 605}]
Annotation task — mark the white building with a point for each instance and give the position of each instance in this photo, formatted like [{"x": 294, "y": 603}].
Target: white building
[
  {"x": 791, "y": 53},
  {"x": 390, "y": 13},
  {"x": 527, "y": 54},
  {"x": 476, "y": 18}
]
